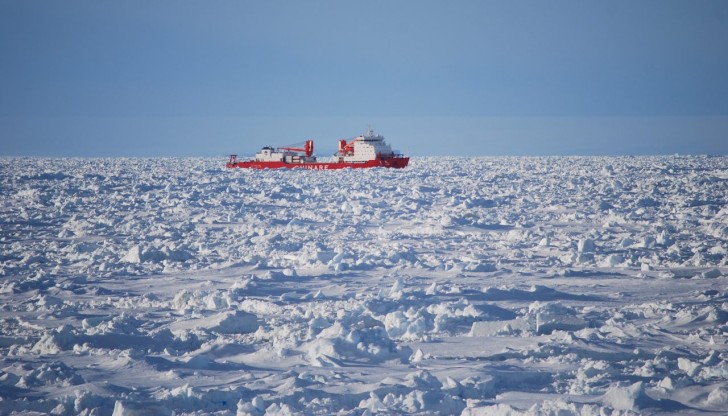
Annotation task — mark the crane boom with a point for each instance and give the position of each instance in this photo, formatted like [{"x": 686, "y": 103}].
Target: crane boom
[{"x": 307, "y": 148}]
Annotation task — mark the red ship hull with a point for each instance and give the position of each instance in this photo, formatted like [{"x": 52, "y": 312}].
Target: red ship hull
[{"x": 390, "y": 162}]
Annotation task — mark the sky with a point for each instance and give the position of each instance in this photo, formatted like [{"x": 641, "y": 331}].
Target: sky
[{"x": 194, "y": 78}]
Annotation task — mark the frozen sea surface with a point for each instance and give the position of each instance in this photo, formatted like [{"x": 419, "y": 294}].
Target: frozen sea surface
[{"x": 456, "y": 286}]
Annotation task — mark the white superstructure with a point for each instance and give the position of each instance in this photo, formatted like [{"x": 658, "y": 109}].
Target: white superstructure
[
  {"x": 366, "y": 147},
  {"x": 269, "y": 154}
]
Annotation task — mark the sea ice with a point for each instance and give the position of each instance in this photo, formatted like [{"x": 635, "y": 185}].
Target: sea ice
[{"x": 474, "y": 286}]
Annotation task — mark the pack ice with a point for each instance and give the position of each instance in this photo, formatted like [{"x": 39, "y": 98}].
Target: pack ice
[{"x": 473, "y": 286}]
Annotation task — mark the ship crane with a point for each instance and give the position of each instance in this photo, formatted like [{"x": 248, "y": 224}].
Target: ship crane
[
  {"x": 307, "y": 148},
  {"x": 347, "y": 149}
]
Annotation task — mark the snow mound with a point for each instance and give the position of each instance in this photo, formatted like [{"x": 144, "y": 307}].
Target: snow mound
[
  {"x": 229, "y": 322},
  {"x": 130, "y": 408},
  {"x": 363, "y": 338},
  {"x": 545, "y": 408},
  {"x": 631, "y": 398},
  {"x": 718, "y": 397},
  {"x": 190, "y": 399},
  {"x": 57, "y": 340},
  {"x": 53, "y": 373},
  {"x": 541, "y": 318}
]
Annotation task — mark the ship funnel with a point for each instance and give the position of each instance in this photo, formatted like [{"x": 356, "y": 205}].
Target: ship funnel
[{"x": 308, "y": 148}]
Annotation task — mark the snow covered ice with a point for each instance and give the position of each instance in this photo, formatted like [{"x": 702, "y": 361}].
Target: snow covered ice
[{"x": 474, "y": 286}]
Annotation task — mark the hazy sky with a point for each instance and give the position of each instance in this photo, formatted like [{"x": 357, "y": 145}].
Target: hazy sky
[{"x": 153, "y": 78}]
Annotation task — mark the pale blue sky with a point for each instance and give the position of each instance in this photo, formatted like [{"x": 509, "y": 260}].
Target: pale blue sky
[{"x": 155, "y": 78}]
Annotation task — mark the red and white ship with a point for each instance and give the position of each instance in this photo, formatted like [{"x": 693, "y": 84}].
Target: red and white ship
[{"x": 366, "y": 151}]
